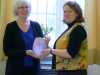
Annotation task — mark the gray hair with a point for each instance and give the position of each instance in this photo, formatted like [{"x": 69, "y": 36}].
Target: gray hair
[{"x": 19, "y": 3}]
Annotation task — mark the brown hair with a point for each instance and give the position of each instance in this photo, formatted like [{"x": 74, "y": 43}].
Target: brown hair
[{"x": 75, "y": 6}]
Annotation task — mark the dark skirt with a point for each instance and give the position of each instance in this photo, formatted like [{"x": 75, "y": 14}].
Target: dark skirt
[
  {"x": 23, "y": 71},
  {"x": 17, "y": 68},
  {"x": 31, "y": 71},
  {"x": 72, "y": 72}
]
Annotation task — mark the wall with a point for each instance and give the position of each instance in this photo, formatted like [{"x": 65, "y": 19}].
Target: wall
[
  {"x": 6, "y": 16},
  {"x": 91, "y": 27},
  {"x": 97, "y": 54},
  {"x": 93, "y": 22}
]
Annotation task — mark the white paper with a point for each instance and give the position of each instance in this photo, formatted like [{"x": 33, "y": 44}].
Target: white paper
[{"x": 39, "y": 45}]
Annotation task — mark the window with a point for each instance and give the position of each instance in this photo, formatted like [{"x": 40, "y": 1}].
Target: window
[
  {"x": 44, "y": 12},
  {"x": 49, "y": 13}
]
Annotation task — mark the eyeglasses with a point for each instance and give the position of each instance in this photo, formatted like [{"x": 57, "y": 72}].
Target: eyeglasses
[{"x": 23, "y": 7}]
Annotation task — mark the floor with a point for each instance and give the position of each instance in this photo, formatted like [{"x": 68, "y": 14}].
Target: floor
[{"x": 94, "y": 69}]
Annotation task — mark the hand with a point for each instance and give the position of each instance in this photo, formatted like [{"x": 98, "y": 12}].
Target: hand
[
  {"x": 31, "y": 53},
  {"x": 45, "y": 53},
  {"x": 47, "y": 39}
]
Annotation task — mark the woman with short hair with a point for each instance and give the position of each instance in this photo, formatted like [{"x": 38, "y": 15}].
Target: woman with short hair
[{"x": 18, "y": 42}]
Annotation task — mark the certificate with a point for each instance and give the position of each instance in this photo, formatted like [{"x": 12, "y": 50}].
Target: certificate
[{"x": 39, "y": 45}]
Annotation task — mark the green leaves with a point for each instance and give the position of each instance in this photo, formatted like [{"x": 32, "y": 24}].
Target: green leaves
[{"x": 47, "y": 30}]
